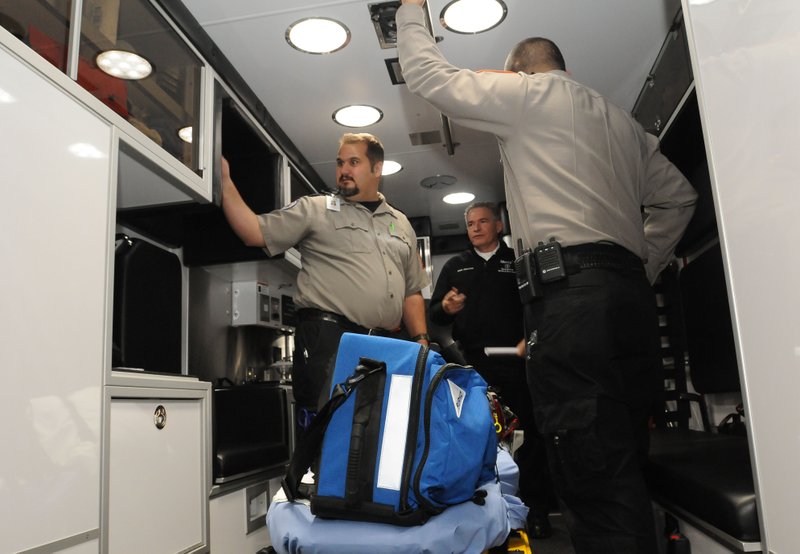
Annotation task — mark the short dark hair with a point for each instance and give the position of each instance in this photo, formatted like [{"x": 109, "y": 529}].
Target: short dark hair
[
  {"x": 374, "y": 146},
  {"x": 535, "y": 52},
  {"x": 491, "y": 206}
]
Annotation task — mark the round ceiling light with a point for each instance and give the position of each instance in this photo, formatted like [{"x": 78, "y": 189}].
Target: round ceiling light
[
  {"x": 124, "y": 64},
  {"x": 357, "y": 115},
  {"x": 459, "y": 198},
  {"x": 390, "y": 167},
  {"x": 472, "y": 16},
  {"x": 317, "y": 35}
]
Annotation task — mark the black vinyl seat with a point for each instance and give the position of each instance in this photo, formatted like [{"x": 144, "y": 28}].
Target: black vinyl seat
[{"x": 706, "y": 476}]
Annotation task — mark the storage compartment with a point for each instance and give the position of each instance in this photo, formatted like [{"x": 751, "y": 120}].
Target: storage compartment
[
  {"x": 157, "y": 489},
  {"x": 148, "y": 281},
  {"x": 683, "y": 144},
  {"x": 201, "y": 229},
  {"x": 250, "y": 430},
  {"x": 668, "y": 81}
]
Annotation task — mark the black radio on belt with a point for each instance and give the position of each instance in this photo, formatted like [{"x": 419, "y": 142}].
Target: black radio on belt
[
  {"x": 549, "y": 261},
  {"x": 527, "y": 280},
  {"x": 544, "y": 265}
]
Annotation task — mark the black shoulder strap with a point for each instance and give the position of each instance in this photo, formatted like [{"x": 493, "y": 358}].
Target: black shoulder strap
[{"x": 309, "y": 446}]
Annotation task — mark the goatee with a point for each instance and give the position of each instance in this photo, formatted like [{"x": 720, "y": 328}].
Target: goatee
[{"x": 347, "y": 192}]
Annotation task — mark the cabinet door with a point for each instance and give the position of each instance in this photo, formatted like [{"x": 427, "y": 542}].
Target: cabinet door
[
  {"x": 54, "y": 248},
  {"x": 156, "y": 476},
  {"x": 667, "y": 83}
]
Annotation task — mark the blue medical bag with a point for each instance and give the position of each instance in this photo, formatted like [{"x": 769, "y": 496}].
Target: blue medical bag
[{"x": 403, "y": 436}]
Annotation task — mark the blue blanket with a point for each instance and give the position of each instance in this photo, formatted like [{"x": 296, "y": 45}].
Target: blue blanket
[{"x": 464, "y": 528}]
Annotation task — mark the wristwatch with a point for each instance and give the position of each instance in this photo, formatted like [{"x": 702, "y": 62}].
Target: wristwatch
[{"x": 421, "y": 336}]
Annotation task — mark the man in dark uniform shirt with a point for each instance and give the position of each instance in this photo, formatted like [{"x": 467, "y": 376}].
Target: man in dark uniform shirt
[{"x": 477, "y": 293}]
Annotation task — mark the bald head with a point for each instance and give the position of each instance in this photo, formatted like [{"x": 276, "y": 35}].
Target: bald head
[{"x": 535, "y": 55}]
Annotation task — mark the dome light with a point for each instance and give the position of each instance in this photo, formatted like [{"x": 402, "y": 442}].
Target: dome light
[
  {"x": 472, "y": 16},
  {"x": 459, "y": 198},
  {"x": 357, "y": 115},
  {"x": 317, "y": 35},
  {"x": 390, "y": 167},
  {"x": 124, "y": 64}
]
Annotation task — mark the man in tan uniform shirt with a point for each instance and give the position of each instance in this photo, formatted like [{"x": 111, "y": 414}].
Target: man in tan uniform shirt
[{"x": 360, "y": 268}]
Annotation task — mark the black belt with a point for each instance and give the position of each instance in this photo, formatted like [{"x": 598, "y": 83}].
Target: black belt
[
  {"x": 600, "y": 255},
  {"x": 314, "y": 314}
]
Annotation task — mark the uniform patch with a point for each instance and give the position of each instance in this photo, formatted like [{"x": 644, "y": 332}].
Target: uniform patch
[{"x": 506, "y": 266}]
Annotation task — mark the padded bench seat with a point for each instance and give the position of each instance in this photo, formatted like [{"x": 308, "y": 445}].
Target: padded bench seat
[{"x": 708, "y": 476}]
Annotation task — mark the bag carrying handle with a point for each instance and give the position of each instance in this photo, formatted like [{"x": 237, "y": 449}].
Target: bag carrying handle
[{"x": 308, "y": 448}]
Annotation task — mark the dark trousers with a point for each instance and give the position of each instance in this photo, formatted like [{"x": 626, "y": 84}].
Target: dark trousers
[
  {"x": 315, "y": 345},
  {"x": 593, "y": 372},
  {"x": 507, "y": 376}
]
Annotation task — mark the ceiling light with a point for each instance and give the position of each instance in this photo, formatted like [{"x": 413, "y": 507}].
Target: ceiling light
[
  {"x": 459, "y": 198},
  {"x": 186, "y": 134},
  {"x": 390, "y": 167},
  {"x": 357, "y": 115},
  {"x": 317, "y": 35},
  {"x": 123, "y": 64},
  {"x": 472, "y": 16}
]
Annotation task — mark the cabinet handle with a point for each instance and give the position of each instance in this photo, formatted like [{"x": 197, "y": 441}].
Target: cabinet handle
[{"x": 160, "y": 417}]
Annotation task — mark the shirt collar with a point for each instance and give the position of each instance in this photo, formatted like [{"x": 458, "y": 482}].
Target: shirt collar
[{"x": 487, "y": 255}]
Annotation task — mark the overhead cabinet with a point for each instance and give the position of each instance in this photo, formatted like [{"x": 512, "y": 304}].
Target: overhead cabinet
[
  {"x": 667, "y": 83},
  {"x": 201, "y": 230}
]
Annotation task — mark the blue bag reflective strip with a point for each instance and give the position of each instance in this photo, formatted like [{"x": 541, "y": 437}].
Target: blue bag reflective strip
[{"x": 402, "y": 358}]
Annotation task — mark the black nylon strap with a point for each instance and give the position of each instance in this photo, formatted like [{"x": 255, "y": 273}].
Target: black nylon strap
[{"x": 309, "y": 446}]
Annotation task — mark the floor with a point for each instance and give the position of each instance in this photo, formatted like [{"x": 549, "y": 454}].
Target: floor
[{"x": 558, "y": 543}]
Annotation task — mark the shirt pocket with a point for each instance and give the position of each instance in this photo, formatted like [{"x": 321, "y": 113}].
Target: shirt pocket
[
  {"x": 399, "y": 245},
  {"x": 352, "y": 233}
]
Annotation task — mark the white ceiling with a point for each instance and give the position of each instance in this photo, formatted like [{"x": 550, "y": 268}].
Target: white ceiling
[{"x": 609, "y": 45}]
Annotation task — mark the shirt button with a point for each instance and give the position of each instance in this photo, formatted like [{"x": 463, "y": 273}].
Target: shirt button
[
  {"x": 391, "y": 296},
  {"x": 390, "y": 272}
]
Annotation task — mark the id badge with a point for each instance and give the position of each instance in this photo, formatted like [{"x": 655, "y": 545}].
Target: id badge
[{"x": 333, "y": 203}]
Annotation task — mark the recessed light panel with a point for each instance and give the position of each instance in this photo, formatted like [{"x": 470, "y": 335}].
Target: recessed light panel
[
  {"x": 357, "y": 115},
  {"x": 459, "y": 198},
  {"x": 472, "y": 16},
  {"x": 124, "y": 64},
  {"x": 317, "y": 35},
  {"x": 390, "y": 167}
]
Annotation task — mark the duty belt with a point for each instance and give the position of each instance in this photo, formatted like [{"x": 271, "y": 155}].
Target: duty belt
[
  {"x": 314, "y": 314},
  {"x": 600, "y": 255}
]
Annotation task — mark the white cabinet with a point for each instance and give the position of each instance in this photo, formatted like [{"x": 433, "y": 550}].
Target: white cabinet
[
  {"x": 54, "y": 247},
  {"x": 238, "y": 517},
  {"x": 158, "y": 461}
]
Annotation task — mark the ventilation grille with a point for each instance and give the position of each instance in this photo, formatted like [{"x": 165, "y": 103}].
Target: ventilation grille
[{"x": 425, "y": 137}]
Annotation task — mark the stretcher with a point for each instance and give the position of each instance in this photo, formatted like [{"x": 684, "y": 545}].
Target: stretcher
[{"x": 466, "y": 528}]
